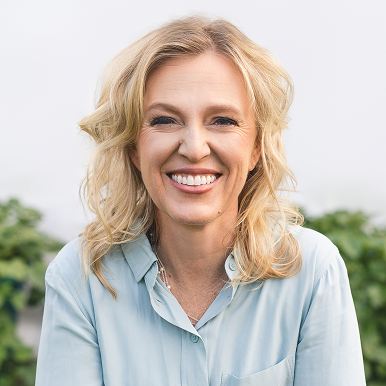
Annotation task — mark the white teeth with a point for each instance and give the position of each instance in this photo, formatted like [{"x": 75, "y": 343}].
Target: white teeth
[{"x": 194, "y": 180}]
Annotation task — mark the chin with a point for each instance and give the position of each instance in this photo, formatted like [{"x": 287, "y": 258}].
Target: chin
[{"x": 194, "y": 219}]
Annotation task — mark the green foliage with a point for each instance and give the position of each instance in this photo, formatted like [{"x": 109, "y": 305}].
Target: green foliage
[
  {"x": 363, "y": 249},
  {"x": 22, "y": 272}
]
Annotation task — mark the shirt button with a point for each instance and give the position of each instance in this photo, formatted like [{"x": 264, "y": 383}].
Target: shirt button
[
  {"x": 232, "y": 266},
  {"x": 194, "y": 338}
]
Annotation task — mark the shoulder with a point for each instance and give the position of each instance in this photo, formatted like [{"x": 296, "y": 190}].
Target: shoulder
[
  {"x": 72, "y": 266},
  {"x": 323, "y": 276},
  {"x": 65, "y": 275},
  {"x": 73, "y": 269},
  {"x": 318, "y": 252},
  {"x": 66, "y": 286},
  {"x": 67, "y": 262}
]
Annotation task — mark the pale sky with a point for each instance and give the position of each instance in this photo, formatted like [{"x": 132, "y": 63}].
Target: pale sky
[{"x": 52, "y": 53}]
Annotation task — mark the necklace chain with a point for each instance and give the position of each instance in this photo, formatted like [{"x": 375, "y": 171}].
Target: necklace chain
[
  {"x": 162, "y": 273},
  {"x": 164, "y": 278}
]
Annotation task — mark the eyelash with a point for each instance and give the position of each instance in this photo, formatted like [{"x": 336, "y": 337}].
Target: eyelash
[
  {"x": 228, "y": 120},
  {"x": 158, "y": 121}
]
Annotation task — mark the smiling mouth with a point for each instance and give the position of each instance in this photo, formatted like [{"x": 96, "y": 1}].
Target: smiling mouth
[{"x": 194, "y": 180}]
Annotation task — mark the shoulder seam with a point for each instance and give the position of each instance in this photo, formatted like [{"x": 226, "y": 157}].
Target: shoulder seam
[
  {"x": 321, "y": 271},
  {"x": 75, "y": 296}
]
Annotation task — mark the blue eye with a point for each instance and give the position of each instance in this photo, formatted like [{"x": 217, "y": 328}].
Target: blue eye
[
  {"x": 162, "y": 121},
  {"x": 223, "y": 121}
]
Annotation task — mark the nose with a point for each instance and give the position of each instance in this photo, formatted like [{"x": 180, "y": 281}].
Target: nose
[{"x": 194, "y": 143}]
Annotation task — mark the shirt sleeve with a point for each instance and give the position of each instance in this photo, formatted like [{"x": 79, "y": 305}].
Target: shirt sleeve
[
  {"x": 329, "y": 350},
  {"x": 69, "y": 352}
]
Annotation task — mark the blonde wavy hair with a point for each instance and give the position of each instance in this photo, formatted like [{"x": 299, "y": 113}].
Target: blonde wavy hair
[{"x": 113, "y": 188}]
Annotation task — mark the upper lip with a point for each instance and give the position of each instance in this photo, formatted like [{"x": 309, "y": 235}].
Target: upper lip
[{"x": 193, "y": 171}]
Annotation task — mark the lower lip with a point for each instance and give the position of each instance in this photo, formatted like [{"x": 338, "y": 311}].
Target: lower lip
[{"x": 195, "y": 189}]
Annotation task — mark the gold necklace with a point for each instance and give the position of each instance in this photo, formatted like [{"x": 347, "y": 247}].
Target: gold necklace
[{"x": 163, "y": 276}]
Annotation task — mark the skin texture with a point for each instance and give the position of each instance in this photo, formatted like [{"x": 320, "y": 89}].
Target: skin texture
[{"x": 197, "y": 120}]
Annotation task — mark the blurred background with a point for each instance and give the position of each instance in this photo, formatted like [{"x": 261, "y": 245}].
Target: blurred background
[{"x": 52, "y": 53}]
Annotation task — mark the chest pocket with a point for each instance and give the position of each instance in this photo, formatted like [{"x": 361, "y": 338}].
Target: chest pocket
[{"x": 279, "y": 375}]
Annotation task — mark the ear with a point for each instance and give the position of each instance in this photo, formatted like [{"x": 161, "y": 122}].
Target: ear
[
  {"x": 254, "y": 157},
  {"x": 134, "y": 155}
]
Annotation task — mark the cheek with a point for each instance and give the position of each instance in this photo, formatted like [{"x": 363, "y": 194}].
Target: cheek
[
  {"x": 154, "y": 151},
  {"x": 239, "y": 153}
]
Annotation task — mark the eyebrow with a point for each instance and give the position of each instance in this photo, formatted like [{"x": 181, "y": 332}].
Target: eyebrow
[{"x": 209, "y": 109}]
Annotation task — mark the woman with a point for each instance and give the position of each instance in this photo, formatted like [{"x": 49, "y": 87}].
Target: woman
[{"x": 200, "y": 273}]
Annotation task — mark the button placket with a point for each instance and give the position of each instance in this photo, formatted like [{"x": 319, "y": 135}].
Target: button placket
[{"x": 194, "y": 370}]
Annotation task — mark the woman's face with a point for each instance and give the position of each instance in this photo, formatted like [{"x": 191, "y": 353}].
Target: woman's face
[{"x": 198, "y": 139}]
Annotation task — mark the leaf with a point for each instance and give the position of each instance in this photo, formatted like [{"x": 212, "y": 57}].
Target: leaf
[
  {"x": 22, "y": 272},
  {"x": 376, "y": 296},
  {"x": 14, "y": 269}
]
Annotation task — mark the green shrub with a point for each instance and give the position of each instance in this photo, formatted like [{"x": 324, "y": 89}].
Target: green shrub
[
  {"x": 363, "y": 249},
  {"x": 22, "y": 272}
]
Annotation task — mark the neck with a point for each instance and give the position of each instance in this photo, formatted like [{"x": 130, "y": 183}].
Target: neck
[{"x": 194, "y": 254}]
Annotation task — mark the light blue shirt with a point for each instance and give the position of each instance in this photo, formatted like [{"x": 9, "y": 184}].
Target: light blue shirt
[{"x": 296, "y": 331}]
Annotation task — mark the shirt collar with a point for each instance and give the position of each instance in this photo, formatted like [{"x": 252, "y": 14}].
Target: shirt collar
[
  {"x": 231, "y": 267},
  {"x": 139, "y": 256}
]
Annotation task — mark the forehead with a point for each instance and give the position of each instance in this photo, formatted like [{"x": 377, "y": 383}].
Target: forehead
[{"x": 205, "y": 78}]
